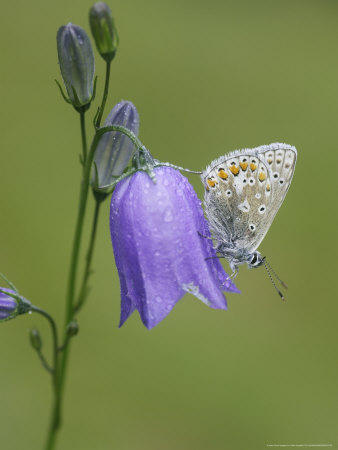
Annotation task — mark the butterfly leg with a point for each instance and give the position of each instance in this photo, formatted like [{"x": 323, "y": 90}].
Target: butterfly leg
[
  {"x": 232, "y": 276},
  {"x": 203, "y": 236},
  {"x": 227, "y": 282},
  {"x": 234, "y": 268}
]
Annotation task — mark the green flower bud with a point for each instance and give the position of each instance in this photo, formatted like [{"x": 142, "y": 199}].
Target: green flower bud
[
  {"x": 103, "y": 30},
  {"x": 72, "y": 328},
  {"x": 35, "y": 338},
  {"x": 77, "y": 65}
]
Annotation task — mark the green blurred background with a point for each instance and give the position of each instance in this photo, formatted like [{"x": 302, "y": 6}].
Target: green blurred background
[{"x": 207, "y": 78}]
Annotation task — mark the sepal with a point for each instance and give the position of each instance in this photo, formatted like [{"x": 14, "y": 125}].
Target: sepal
[{"x": 12, "y": 304}]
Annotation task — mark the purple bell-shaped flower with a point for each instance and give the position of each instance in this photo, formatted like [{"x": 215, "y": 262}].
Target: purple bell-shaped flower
[
  {"x": 162, "y": 246},
  {"x": 12, "y": 304}
]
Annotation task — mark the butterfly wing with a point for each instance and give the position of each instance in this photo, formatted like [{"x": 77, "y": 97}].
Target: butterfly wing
[{"x": 244, "y": 191}]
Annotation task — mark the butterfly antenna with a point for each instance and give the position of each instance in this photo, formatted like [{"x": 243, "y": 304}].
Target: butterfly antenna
[
  {"x": 276, "y": 276},
  {"x": 272, "y": 281}
]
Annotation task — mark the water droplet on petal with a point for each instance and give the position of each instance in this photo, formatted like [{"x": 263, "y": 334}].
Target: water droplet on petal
[{"x": 168, "y": 215}]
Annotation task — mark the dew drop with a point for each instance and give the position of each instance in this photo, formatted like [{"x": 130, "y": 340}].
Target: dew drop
[{"x": 168, "y": 215}]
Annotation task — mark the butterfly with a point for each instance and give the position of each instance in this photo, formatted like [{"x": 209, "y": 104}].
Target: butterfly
[{"x": 243, "y": 192}]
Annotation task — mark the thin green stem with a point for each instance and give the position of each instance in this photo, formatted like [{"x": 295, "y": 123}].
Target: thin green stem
[
  {"x": 64, "y": 345},
  {"x": 44, "y": 362},
  {"x": 56, "y": 413},
  {"x": 88, "y": 270},
  {"x": 83, "y": 135},
  {"x": 61, "y": 372},
  {"x": 60, "y": 376},
  {"x": 55, "y": 342},
  {"x": 134, "y": 139},
  {"x": 54, "y": 424},
  {"x": 105, "y": 95}
]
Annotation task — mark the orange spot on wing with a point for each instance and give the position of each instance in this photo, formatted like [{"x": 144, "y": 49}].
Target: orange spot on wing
[
  {"x": 268, "y": 187},
  {"x": 270, "y": 161},
  {"x": 211, "y": 182},
  {"x": 261, "y": 176},
  {"x": 222, "y": 174},
  {"x": 253, "y": 167},
  {"x": 234, "y": 170},
  {"x": 243, "y": 165}
]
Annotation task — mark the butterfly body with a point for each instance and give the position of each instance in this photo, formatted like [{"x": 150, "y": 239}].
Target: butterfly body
[{"x": 243, "y": 192}]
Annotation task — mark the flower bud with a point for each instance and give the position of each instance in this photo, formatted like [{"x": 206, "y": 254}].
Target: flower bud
[
  {"x": 103, "y": 30},
  {"x": 115, "y": 149},
  {"x": 72, "y": 328},
  {"x": 35, "y": 339},
  {"x": 12, "y": 304},
  {"x": 77, "y": 66}
]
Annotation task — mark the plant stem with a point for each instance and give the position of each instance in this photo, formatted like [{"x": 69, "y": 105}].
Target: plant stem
[
  {"x": 60, "y": 376},
  {"x": 105, "y": 94},
  {"x": 87, "y": 160},
  {"x": 83, "y": 135},
  {"x": 132, "y": 136},
  {"x": 87, "y": 271},
  {"x": 55, "y": 415},
  {"x": 55, "y": 342},
  {"x": 44, "y": 362},
  {"x": 62, "y": 364}
]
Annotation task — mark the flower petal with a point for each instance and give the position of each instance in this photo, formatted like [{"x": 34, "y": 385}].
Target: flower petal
[{"x": 160, "y": 250}]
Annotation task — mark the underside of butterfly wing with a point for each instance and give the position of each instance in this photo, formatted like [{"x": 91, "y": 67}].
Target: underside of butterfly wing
[{"x": 244, "y": 191}]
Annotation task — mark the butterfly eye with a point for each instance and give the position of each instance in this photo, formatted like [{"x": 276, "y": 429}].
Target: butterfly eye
[{"x": 256, "y": 260}]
